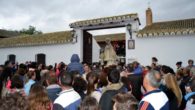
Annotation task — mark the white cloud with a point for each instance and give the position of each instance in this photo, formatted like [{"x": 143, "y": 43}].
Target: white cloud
[{"x": 56, "y": 15}]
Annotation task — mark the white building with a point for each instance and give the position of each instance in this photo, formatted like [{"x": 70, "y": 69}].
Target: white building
[
  {"x": 169, "y": 41},
  {"x": 55, "y": 47}
]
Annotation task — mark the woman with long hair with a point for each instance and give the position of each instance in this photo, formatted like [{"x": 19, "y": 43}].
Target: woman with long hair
[
  {"x": 31, "y": 76},
  {"x": 173, "y": 91},
  {"x": 38, "y": 98},
  {"x": 80, "y": 86},
  {"x": 92, "y": 90},
  {"x": 5, "y": 78}
]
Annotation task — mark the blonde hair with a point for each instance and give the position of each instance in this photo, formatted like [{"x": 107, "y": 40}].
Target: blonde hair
[{"x": 171, "y": 84}]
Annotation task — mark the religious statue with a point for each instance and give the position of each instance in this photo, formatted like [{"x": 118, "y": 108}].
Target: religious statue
[{"x": 109, "y": 54}]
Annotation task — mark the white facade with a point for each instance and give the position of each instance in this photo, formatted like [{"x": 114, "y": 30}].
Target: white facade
[
  {"x": 95, "y": 51},
  {"x": 168, "y": 49},
  {"x": 54, "y": 53}
]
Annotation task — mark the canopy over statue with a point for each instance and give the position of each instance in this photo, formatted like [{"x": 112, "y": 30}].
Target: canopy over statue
[{"x": 109, "y": 54}]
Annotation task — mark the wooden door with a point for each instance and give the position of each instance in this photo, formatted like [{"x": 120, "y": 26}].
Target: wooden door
[{"x": 87, "y": 47}]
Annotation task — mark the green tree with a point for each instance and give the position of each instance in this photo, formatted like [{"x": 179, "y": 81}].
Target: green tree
[{"x": 30, "y": 31}]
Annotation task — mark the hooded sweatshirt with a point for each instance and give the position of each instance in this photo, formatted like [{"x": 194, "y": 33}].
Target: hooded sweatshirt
[{"x": 75, "y": 64}]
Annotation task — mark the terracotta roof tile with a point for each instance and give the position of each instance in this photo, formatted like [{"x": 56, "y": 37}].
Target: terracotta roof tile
[
  {"x": 112, "y": 37},
  {"x": 104, "y": 20},
  {"x": 177, "y": 27},
  {"x": 41, "y": 39}
]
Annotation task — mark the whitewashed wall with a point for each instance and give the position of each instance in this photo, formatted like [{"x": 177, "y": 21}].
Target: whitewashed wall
[
  {"x": 95, "y": 51},
  {"x": 135, "y": 28},
  {"x": 54, "y": 53},
  {"x": 79, "y": 45},
  {"x": 168, "y": 49}
]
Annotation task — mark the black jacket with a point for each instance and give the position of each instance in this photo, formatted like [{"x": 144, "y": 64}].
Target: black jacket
[
  {"x": 173, "y": 104},
  {"x": 106, "y": 102},
  {"x": 136, "y": 83}
]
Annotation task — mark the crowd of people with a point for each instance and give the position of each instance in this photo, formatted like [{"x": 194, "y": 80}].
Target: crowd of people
[{"x": 83, "y": 86}]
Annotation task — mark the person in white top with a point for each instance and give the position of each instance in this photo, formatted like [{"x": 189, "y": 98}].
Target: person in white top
[
  {"x": 149, "y": 101},
  {"x": 87, "y": 69},
  {"x": 68, "y": 98},
  {"x": 190, "y": 96}
]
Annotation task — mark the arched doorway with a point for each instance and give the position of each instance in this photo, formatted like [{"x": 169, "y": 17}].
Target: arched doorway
[{"x": 40, "y": 58}]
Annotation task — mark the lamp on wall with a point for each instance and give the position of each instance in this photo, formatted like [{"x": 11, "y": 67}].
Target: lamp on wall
[
  {"x": 131, "y": 42},
  {"x": 129, "y": 28},
  {"x": 74, "y": 36}
]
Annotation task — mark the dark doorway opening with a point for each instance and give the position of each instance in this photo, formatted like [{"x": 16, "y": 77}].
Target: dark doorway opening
[
  {"x": 12, "y": 58},
  {"x": 87, "y": 47},
  {"x": 40, "y": 58}
]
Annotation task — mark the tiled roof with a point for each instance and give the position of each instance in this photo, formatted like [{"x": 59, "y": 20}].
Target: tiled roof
[
  {"x": 178, "y": 27},
  {"x": 112, "y": 37},
  {"x": 6, "y": 33},
  {"x": 40, "y": 39},
  {"x": 105, "y": 20}
]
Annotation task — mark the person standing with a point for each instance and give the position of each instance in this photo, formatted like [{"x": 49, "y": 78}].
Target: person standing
[
  {"x": 155, "y": 60},
  {"x": 31, "y": 80},
  {"x": 87, "y": 70},
  {"x": 75, "y": 64},
  {"x": 52, "y": 86},
  {"x": 68, "y": 98},
  {"x": 179, "y": 65},
  {"x": 149, "y": 101},
  {"x": 190, "y": 64},
  {"x": 172, "y": 90},
  {"x": 113, "y": 88},
  {"x": 137, "y": 68},
  {"x": 38, "y": 98},
  {"x": 125, "y": 101}
]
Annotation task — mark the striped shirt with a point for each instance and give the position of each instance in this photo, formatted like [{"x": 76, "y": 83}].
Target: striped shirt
[
  {"x": 154, "y": 100},
  {"x": 67, "y": 100}
]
